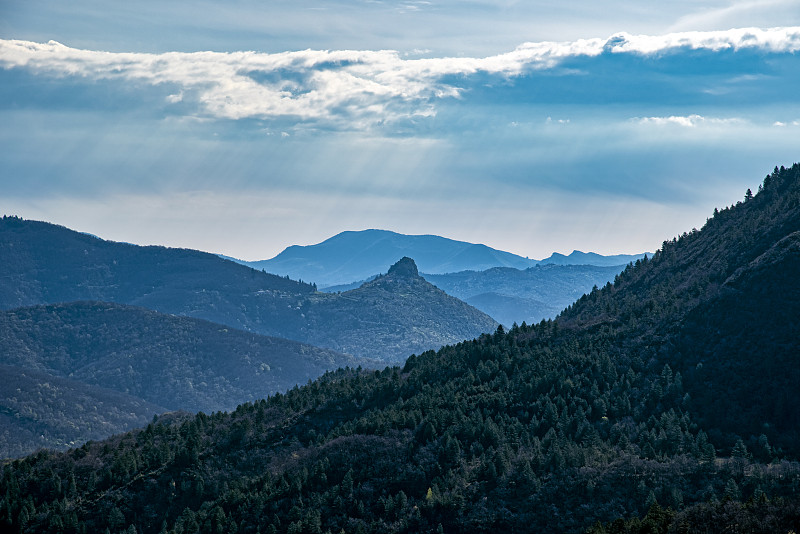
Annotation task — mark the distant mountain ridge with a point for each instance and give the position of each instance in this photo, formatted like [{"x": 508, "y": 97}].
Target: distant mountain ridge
[
  {"x": 513, "y": 296},
  {"x": 358, "y": 255},
  {"x": 576, "y": 257}
]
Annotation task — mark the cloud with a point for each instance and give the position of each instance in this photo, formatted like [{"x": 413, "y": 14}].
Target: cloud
[
  {"x": 689, "y": 121},
  {"x": 174, "y": 99},
  {"x": 349, "y": 89}
]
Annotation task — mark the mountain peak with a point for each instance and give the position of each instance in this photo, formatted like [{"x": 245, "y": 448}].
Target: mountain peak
[{"x": 405, "y": 268}]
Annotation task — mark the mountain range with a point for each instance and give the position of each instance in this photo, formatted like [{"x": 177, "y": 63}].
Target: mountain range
[
  {"x": 530, "y": 295},
  {"x": 510, "y": 295},
  {"x": 661, "y": 402},
  {"x": 47, "y": 264},
  {"x": 351, "y": 256},
  {"x": 98, "y": 336}
]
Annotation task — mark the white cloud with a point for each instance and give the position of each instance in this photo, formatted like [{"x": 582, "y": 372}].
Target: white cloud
[
  {"x": 174, "y": 99},
  {"x": 771, "y": 40},
  {"x": 356, "y": 89},
  {"x": 689, "y": 121}
]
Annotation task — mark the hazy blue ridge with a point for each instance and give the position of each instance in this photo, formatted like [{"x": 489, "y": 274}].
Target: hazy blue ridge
[
  {"x": 515, "y": 295},
  {"x": 353, "y": 256}
]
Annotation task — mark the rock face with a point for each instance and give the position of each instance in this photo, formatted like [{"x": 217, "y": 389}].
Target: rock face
[{"x": 405, "y": 267}]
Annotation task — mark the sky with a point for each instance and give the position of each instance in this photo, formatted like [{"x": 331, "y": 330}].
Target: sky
[{"x": 245, "y": 126}]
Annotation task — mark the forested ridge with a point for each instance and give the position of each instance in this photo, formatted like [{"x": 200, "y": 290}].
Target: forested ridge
[
  {"x": 48, "y": 264},
  {"x": 657, "y": 397},
  {"x": 86, "y": 370}
]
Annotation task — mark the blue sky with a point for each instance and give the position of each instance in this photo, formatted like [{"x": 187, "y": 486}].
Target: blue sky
[{"x": 245, "y": 126}]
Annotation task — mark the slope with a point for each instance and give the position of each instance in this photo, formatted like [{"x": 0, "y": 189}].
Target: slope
[
  {"x": 722, "y": 303},
  {"x": 86, "y": 370},
  {"x": 46, "y": 264},
  {"x": 530, "y": 295},
  {"x": 550, "y": 427},
  {"x": 179, "y": 363},
  {"x": 40, "y": 410}
]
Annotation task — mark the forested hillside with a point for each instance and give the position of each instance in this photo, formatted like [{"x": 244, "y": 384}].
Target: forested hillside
[
  {"x": 73, "y": 370},
  {"x": 42, "y": 410},
  {"x": 48, "y": 264},
  {"x": 722, "y": 307},
  {"x": 553, "y": 427}
]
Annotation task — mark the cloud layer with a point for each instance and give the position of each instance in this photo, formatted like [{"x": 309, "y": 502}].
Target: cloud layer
[
  {"x": 609, "y": 144},
  {"x": 352, "y": 89}
]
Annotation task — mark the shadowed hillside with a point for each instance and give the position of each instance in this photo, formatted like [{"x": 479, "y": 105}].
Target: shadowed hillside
[
  {"x": 134, "y": 356},
  {"x": 41, "y": 410}
]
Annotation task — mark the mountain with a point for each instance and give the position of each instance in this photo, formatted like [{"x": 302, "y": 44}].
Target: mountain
[
  {"x": 400, "y": 312},
  {"x": 554, "y": 427},
  {"x": 513, "y": 296},
  {"x": 350, "y": 256},
  {"x": 509, "y": 309},
  {"x": 727, "y": 302},
  {"x": 90, "y": 355},
  {"x": 590, "y": 258},
  {"x": 47, "y": 264}
]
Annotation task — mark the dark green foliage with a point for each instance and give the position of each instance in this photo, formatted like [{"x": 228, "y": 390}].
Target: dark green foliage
[
  {"x": 722, "y": 306},
  {"x": 756, "y": 516},
  {"x": 47, "y": 264},
  {"x": 546, "y": 428}
]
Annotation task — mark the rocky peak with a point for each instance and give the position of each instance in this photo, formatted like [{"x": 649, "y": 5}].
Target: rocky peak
[{"x": 405, "y": 268}]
